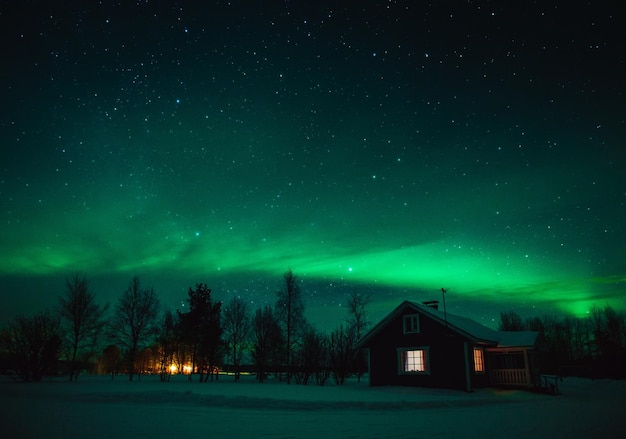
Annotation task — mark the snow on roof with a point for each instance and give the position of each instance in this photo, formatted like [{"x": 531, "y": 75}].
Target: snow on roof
[{"x": 462, "y": 325}]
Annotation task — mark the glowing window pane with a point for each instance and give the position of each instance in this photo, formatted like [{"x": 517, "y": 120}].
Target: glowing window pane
[
  {"x": 479, "y": 364},
  {"x": 414, "y": 361}
]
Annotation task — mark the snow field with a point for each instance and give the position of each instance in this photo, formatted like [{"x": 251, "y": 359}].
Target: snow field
[{"x": 96, "y": 407}]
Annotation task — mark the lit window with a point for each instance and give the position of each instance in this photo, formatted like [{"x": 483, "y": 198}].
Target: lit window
[
  {"x": 479, "y": 363},
  {"x": 413, "y": 360},
  {"x": 411, "y": 324}
]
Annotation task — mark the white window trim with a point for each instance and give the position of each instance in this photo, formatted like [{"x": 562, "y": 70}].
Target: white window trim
[
  {"x": 401, "y": 370},
  {"x": 404, "y": 323}
]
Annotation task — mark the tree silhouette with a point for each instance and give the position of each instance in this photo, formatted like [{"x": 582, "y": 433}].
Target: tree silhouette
[
  {"x": 357, "y": 319},
  {"x": 591, "y": 346},
  {"x": 312, "y": 358},
  {"x": 237, "y": 330},
  {"x": 201, "y": 328},
  {"x": 510, "y": 321},
  {"x": 166, "y": 340},
  {"x": 33, "y": 345},
  {"x": 357, "y": 324},
  {"x": 133, "y": 324},
  {"x": 268, "y": 342},
  {"x": 82, "y": 320},
  {"x": 342, "y": 353},
  {"x": 111, "y": 359},
  {"x": 290, "y": 312},
  {"x": 609, "y": 332}
]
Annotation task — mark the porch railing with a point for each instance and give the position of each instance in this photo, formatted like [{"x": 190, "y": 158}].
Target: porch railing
[{"x": 509, "y": 377}]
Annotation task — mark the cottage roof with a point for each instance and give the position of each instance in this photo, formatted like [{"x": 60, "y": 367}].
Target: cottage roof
[
  {"x": 517, "y": 338},
  {"x": 463, "y": 326}
]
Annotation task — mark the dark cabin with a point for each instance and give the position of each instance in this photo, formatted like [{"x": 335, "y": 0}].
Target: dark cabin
[{"x": 419, "y": 345}]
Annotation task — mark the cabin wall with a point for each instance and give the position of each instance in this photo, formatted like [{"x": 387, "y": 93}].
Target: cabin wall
[
  {"x": 479, "y": 379},
  {"x": 447, "y": 365}
]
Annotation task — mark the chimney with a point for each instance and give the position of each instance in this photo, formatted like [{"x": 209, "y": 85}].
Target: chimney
[{"x": 434, "y": 304}]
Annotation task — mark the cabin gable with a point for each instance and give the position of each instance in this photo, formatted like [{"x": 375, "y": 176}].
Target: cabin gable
[{"x": 431, "y": 356}]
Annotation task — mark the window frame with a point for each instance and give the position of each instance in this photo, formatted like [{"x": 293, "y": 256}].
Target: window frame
[
  {"x": 407, "y": 324},
  {"x": 401, "y": 366}
]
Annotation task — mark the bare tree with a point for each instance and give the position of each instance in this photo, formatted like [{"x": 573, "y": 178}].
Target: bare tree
[
  {"x": 268, "y": 342},
  {"x": 557, "y": 340},
  {"x": 342, "y": 353},
  {"x": 357, "y": 325},
  {"x": 182, "y": 350},
  {"x": 111, "y": 359},
  {"x": 237, "y": 330},
  {"x": 144, "y": 361},
  {"x": 510, "y": 321},
  {"x": 133, "y": 324},
  {"x": 166, "y": 341},
  {"x": 609, "y": 334},
  {"x": 33, "y": 345},
  {"x": 357, "y": 320},
  {"x": 290, "y": 312},
  {"x": 312, "y": 358},
  {"x": 82, "y": 321},
  {"x": 581, "y": 339}
]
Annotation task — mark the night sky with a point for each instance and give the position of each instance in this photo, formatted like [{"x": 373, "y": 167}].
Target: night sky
[{"x": 390, "y": 147}]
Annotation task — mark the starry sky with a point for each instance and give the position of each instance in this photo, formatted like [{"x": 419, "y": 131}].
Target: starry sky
[{"x": 389, "y": 147}]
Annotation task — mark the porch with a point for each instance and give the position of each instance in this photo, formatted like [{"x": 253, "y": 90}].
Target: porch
[
  {"x": 510, "y": 377},
  {"x": 508, "y": 367}
]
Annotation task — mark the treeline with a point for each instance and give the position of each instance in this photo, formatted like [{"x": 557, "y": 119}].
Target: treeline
[
  {"x": 594, "y": 346},
  {"x": 136, "y": 336}
]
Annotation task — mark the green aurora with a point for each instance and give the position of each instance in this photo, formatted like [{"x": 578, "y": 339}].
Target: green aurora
[{"x": 357, "y": 149}]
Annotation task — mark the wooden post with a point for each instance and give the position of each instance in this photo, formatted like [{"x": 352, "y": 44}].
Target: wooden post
[
  {"x": 445, "y": 314},
  {"x": 369, "y": 367},
  {"x": 527, "y": 368},
  {"x": 468, "y": 381}
]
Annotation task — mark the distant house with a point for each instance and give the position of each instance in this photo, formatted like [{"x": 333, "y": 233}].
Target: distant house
[{"x": 419, "y": 345}]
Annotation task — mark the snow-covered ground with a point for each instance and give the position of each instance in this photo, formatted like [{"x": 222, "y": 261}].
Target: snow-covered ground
[{"x": 96, "y": 407}]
